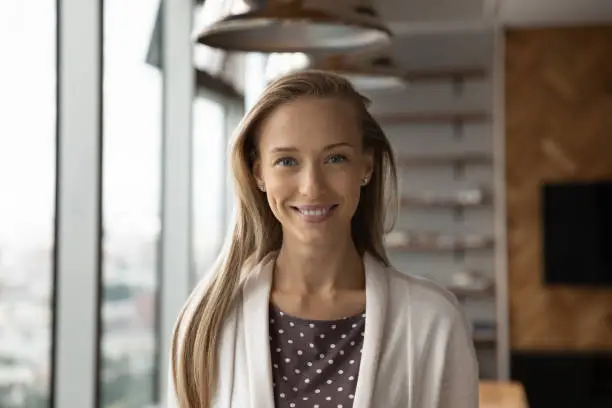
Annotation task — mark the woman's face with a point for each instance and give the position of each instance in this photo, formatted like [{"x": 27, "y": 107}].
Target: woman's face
[{"x": 312, "y": 164}]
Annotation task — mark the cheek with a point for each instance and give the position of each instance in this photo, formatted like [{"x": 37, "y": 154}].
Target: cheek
[
  {"x": 355, "y": 196},
  {"x": 347, "y": 186},
  {"x": 276, "y": 182},
  {"x": 278, "y": 190}
]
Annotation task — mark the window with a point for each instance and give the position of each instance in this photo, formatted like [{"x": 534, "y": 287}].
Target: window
[
  {"x": 131, "y": 206},
  {"x": 282, "y": 63},
  {"x": 214, "y": 117},
  {"x": 207, "y": 58},
  {"x": 27, "y": 207},
  {"x": 210, "y": 164}
]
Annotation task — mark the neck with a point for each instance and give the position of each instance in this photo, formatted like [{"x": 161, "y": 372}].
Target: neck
[{"x": 304, "y": 269}]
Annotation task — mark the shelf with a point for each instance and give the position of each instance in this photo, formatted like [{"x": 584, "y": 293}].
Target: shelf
[
  {"x": 488, "y": 244},
  {"x": 446, "y": 159},
  {"x": 431, "y": 117},
  {"x": 426, "y": 241},
  {"x": 419, "y": 202},
  {"x": 472, "y": 293},
  {"x": 456, "y": 74},
  {"x": 484, "y": 335},
  {"x": 485, "y": 339}
]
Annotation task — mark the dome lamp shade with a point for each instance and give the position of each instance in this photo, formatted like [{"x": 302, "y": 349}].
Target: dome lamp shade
[{"x": 307, "y": 26}]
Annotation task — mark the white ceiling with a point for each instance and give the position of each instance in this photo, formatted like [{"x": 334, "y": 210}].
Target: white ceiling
[
  {"x": 443, "y": 50},
  {"x": 447, "y": 33},
  {"x": 427, "y": 16},
  {"x": 429, "y": 11},
  {"x": 430, "y": 34}
]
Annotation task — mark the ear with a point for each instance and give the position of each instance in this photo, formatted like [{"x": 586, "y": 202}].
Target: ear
[
  {"x": 257, "y": 169},
  {"x": 368, "y": 160},
  {"x": 257, "y": 175}
]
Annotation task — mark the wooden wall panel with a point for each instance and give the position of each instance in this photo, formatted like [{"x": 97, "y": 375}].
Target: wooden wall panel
[{"x": 558, "y": 127}]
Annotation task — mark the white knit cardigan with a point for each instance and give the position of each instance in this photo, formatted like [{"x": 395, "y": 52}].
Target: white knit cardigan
[{"x": 417, "y": 350}]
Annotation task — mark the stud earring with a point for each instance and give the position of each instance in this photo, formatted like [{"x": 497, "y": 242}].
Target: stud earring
[
  {"x": 364, "y": 181},
  {"x": 261, "y": 186}
]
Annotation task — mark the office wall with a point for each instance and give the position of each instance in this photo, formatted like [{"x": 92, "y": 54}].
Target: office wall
[{"x": 558, "y": 127}]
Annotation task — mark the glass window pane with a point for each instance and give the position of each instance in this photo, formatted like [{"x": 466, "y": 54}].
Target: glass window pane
[
  {"x": 283, "y": 63},
  {"x": 131, "y": 206},
  {"x": 209, "y": 181},
  {"x": 27, "y": 207},
  {"x": 207, "y": 58}
]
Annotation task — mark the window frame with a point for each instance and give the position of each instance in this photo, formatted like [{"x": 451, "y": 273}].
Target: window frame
[
  {"x": 77, "y": 271},
  {"x": 77, "y": 305}
]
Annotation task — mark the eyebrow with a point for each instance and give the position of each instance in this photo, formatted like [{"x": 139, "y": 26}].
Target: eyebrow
[{"x": 290, "y": 149}]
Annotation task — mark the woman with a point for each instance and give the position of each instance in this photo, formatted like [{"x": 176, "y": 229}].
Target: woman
[{"x": 303, "y": 308}]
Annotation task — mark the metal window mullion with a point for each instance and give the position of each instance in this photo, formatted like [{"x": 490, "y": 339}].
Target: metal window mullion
[
  {"x": 78, "y": 212},
  {"x": 176, "y": 238}
]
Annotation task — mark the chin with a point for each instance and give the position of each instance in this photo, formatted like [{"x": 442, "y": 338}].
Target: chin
[
  {"x": 321, "y": 234},
  {"x": 315, "y": 229},
  {"x": 315, "y": 240}
]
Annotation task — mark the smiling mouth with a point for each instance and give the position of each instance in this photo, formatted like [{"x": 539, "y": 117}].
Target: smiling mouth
[{"x": 315, "y": 213}]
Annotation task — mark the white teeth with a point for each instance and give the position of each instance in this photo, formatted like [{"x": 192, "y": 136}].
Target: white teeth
[{"x": 318, "y": 212}]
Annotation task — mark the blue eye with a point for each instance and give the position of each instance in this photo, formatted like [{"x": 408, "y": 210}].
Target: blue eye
[
  {"x": 336, "y": 158},
  {"x": 285, "y": 161}
]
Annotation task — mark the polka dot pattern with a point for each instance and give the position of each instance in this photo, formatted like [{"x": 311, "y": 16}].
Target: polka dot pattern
[{"x": 318, "y": 361}]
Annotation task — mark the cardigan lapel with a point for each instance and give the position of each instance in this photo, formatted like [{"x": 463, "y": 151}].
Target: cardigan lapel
[
  {"x": 376, "y": 309},
  {"x": 255, "y": 310}
]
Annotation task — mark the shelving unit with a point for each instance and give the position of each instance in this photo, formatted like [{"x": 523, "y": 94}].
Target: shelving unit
[
  {"x": 432, "y": 118},
  {"x": 469, "y": 158},
  {"x": 448, "y": 74},
  {"x": 442, "y": 202},
  {"x": 485, "y": 334},
  {"x": 442, "y": 248},
  {"x": 488, "y": 340},
  {"x": 472, "y": 293},
  {"x": 447, "y": 230}
]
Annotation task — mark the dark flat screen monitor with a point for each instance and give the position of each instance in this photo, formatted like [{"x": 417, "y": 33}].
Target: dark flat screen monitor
[{"x": 577, "y": 233}]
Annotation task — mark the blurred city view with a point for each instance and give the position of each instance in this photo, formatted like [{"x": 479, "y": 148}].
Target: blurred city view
[
  {"x": 27, "y": 201},
  {"x": 132, "y": 162}
]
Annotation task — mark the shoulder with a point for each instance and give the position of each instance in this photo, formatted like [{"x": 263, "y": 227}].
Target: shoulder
[
  {"x": 423, "y": 298},
  {"x": 432, "y": 313},
  {"x": 421, "y": 289}
]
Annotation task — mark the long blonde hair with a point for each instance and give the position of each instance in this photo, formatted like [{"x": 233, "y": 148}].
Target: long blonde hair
[{"x": 256, "y": 232}]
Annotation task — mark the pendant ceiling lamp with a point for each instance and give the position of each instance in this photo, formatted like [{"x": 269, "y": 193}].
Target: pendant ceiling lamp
[
  {"x": 298, "y": 26},
  {"x": 367, "y": 71}
]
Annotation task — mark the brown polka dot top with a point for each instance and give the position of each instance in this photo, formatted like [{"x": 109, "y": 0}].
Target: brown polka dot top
[{"x": 315, "y": 363}]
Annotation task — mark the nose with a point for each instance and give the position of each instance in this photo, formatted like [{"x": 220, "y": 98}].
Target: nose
[{"x": 312, "y": 181}]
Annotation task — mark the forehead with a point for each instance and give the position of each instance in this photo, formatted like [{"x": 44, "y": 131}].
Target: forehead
[{"x": 310, "y": 122}]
